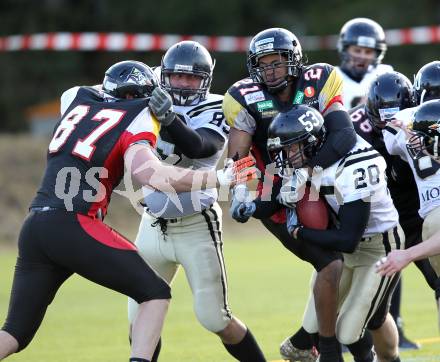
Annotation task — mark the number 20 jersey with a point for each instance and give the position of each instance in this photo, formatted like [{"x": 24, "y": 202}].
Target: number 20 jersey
[
  {"x": 360, "y": 175},
  {"x": 249, "y": 107},
  {"x": 85, "y": 159}
]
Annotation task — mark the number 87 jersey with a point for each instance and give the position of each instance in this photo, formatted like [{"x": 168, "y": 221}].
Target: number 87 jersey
[
  {"x": 85, "y": 158},
  {"x": 360, "y": 175}
]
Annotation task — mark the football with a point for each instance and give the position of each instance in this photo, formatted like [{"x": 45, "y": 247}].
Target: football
[{"x": 312, "y": 214}]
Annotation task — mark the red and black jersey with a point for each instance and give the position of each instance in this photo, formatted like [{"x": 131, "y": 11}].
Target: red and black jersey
[
  {"x": 400, "y": 178},
  {"x": 248, "y": 106},
  {"x": 85, "y": 158}
]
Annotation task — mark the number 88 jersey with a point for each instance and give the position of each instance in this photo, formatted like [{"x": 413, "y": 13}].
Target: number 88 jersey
[
  {"x": 85, "y": 159},
  {"x": 360, "y": 175}
]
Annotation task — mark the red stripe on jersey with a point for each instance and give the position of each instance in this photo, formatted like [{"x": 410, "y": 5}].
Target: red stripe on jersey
[
  {"x": 114, "y": 164},
  {"x": 334, "y": 100},
  {"x": 104, "y": 233},
  {"x": 128, "y": 138}
]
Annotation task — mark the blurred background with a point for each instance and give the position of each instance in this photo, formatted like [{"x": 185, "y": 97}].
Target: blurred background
[{"x": 31, "y": 81}]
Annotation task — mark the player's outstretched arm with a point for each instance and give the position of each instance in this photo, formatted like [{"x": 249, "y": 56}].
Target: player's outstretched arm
[
  {"x": 399, "y": 259},
  {"x": 148, "y": 170}
]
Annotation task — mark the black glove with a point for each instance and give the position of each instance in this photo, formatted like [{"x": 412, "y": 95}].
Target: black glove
[{"x": 161, "y": 104}]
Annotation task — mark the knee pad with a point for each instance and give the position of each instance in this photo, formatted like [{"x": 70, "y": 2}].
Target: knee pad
[{"x": 210, "y": 314}]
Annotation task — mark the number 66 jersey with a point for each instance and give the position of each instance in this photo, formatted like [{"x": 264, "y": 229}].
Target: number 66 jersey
[
  {"x": 360, "y": 174},
  {"x": 85, "y": 158}
]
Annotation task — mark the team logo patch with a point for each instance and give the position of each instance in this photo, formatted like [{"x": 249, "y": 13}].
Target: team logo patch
[
  {"x": 299, "y": 96},
  {"x": 309, "y": 92},
  {"x": 136, "y": 76},
  {"x": 254, "y": 97},
  {"x": 264, "y": 105}
]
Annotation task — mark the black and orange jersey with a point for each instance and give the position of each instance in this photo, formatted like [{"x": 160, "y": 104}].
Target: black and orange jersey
[
  {"x": 400, "y": 179},
  {"x": 85, "y": 158},
  {"x": 248, "y": 106}
]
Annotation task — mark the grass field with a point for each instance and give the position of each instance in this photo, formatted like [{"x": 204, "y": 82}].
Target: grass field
[{"x": 268, "y": 289}]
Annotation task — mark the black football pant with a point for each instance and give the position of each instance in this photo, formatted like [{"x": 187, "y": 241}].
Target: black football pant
[{"x": 55, "y": 244}]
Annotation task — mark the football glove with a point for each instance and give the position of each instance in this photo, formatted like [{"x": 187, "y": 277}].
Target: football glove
[
  {"x": 292, "y": 191},
  {"x": 237, "y": 172},
  {"x": 242, "y": 208},
  {"x": 161, "y": 104}
]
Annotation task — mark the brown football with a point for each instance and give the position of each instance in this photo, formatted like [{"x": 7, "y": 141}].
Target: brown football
[{"x": 312, "y": 214}]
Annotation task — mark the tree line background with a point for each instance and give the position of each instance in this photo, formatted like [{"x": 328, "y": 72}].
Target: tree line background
[{"x": 31, "y": 77}]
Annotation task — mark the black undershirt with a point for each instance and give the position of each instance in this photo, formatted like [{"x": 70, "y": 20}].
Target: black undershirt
[{"x": 195, "y": 143}]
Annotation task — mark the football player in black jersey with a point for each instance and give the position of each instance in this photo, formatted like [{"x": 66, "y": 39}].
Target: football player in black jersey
[
  {"x": 99, "y": 133},
  {"x": 278, "y": 80}
]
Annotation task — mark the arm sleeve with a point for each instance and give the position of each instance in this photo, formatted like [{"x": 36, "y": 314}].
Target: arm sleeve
[
  {"x": 353, "y": 218},
  {"x": 341, "y": 138},
  {"x": 265, "y": 209},
  {"x": 199, "y": 143}
]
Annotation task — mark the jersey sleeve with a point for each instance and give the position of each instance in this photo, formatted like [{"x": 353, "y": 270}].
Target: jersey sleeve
[
  {"x": 212, "y": 119},
  {"x": 360, "y": 176},
  {"x": 67, "y": 98},
  {"x": 237, "y": 116},
  {"x": 395, "y": 141},
  {"x": 144, "y": 128},
  {"x": 331, "y": 86}
]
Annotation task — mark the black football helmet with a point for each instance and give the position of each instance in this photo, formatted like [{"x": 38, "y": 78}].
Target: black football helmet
[
  {"x": 129, "y": 77},
  {"x": 387, "y": 95},
  {"x": 427, "y": 82},
  {"x": 426, "y": 130},
  {"x": 300, "y": 125},
  {"x": 187, "y": 57},
  {"x": 365, "y": 33},
  {"x": 275, "y": 41}
]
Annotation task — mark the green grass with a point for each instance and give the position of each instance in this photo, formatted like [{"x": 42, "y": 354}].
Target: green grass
[{"x": 268, "y": 288}]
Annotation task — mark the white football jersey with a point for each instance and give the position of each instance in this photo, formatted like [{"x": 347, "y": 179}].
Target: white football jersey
[
  {"x": 360, "y": 175},
  {"x": 352, "y": 89},
  {"x": 205, "y": 114},
  {"x": 429, "y": 186}
]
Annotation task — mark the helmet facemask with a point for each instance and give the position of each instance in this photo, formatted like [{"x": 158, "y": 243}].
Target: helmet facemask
[
  {"x": 288, "y": 160},
  {"x": 420, "y": 144},
  {"x": 288, "y": 59},
  {"x": 187, "y": 96}
]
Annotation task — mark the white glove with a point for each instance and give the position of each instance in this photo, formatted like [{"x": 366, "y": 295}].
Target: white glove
[
  {"x": 161, "y": 104},
  {"x": 237, "y": 172},
  {"x": 293, "y": 190}
]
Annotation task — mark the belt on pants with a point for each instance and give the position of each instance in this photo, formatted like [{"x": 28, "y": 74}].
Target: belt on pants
[{"x": 384, "y": 235}]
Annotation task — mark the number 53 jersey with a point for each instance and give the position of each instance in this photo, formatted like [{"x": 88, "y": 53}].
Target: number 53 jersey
[
  {"x": 360, "y": 175},
  {"x": 85, "y": 158}
]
